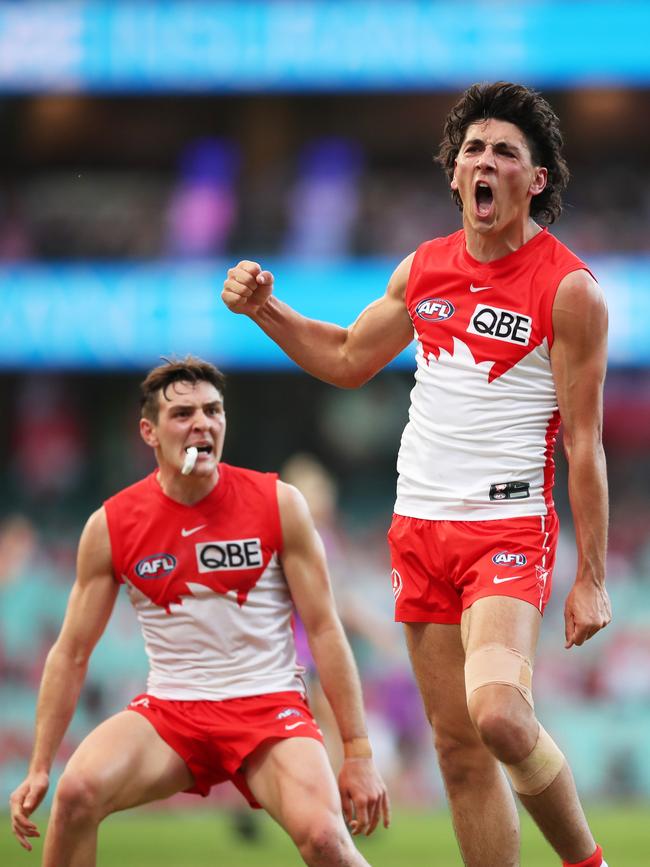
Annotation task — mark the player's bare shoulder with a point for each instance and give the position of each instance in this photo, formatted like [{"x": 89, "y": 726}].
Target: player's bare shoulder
[
  {"x": 396, "y": 289},
  {"x": 579, "y": 295},
  {"x": 294, "y": 512},
  {"x": 95, "y": 555}
]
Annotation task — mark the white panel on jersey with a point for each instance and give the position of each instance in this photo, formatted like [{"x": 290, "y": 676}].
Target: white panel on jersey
[
  {"x": 466, "y": 433},
  {"x": 228, "y": 650}
]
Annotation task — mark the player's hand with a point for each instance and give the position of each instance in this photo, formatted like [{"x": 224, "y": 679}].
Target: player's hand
[
  {"x": 23, "y": 802},
  {"x": 363, "y": 796},
  {"x": 587, "y": 610},
  {"x": 247, "y": 288}
]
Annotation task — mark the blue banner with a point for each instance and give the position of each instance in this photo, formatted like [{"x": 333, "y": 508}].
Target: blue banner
[
  {"x": 114, "y": 317},
  {"x": 293, "y": 45}
]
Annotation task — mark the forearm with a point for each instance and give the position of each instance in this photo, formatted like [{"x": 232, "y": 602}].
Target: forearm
[
  {"x": 318, "y": 347},
  {"x": 588, "y": 497},
  {"x": 339, "y": 678},
  {"x": 63, "y": 677}
]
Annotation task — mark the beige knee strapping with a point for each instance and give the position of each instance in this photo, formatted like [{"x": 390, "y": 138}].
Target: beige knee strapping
[
  {"x": 538, "y": 770},
  {"x": 494, "y": 663}
]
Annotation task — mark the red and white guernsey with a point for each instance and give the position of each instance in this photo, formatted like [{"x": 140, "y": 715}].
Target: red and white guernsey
[
  {"x": 484, "y": 414},
  {"x": 208, "y": 587}
]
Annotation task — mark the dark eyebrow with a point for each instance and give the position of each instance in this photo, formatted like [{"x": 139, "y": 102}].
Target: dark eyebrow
[
  {"x": 210, "y": 404},
  {"x": 506, "y": 144},
  {"x": 503, "y": 143}
]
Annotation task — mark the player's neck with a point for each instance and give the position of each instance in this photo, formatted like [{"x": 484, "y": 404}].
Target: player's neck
[
  {"x": 183, "y": 489},
  {"x": 491, "y": 245}
]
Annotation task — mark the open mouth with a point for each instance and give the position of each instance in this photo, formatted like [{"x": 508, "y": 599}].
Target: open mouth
[{"x": 484, "y": 198}]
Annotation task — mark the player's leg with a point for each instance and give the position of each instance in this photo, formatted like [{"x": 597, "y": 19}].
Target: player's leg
[
  {"x": 122, "y": 763},
  {"x": 500, "y": 636},
  {"x": 481, "y": 803},
  {"x": 293, "y": 780}
]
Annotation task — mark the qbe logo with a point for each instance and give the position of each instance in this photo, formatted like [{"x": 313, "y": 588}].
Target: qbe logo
[
  {"x": 500, "y": 324},
  {"x": 505, "y": 558},
  {"x": 435, "y": 309},
  {"x": 229, "y": 556},
  {"x": 155, "y": 565}
]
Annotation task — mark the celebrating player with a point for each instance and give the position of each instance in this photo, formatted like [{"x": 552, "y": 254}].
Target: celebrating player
[
  {"x": 213, "y": 558},
  {"x": 511, "y": 338}
]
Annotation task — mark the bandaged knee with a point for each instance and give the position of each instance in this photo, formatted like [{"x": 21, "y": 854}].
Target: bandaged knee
[
  {"x": 538, "y": 770},
  {"x": 495, "y": 663}
]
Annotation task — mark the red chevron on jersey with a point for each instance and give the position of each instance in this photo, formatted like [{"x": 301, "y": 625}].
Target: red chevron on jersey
[
  {"x": 501, "y": 310},
  {"x": 160, "y": 546},
  {"x": 208, "y": 587}
]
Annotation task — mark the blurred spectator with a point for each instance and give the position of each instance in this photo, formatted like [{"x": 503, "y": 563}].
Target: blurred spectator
[
  {"x": 203, "y": 204},
  {"x": 48, "y": 439},
  {"x": 324, "y": 202}
]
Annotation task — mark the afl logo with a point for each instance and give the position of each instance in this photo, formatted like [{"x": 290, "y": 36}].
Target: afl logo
[
  {"x": 435, "y": 309},
  {"x": 155, "y": 566},
  {"x": 505, "y": 558}
]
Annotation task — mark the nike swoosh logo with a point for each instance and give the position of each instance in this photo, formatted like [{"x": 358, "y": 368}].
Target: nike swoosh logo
[
  {"x": 473, "y": 288},
  {"x": 295, "y": 725},
  {"x": 498, "y": 580},
  {"x": 185, "y": 532}
]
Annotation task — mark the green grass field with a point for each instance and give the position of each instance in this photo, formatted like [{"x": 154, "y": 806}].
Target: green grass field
[{"x": 161, "y": 838}]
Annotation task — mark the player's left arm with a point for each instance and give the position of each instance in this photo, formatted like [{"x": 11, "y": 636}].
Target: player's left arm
[
  {"x": 363, "y": 792},
  {"x": 578, "y": 361}
]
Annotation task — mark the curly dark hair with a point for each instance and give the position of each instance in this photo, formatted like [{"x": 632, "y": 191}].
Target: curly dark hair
[
  {"x": 188, "y": 369},
  {"x": 526, "y": 109}
]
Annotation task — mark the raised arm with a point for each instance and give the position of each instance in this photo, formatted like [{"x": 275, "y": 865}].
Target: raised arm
[
  {"x": 578, "y": 360},
  {"x": 363, "y": 793},
  {"x": 89, "y": 607},
  {"x": 347, "y": 357}
]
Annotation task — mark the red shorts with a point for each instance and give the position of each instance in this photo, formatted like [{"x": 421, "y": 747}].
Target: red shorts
[
  {"x": 441, "y": 567},
  {"x": 214, "y": 738}
]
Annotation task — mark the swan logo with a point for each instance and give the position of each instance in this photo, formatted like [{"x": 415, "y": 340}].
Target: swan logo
[{"x": 435, "y": 309}]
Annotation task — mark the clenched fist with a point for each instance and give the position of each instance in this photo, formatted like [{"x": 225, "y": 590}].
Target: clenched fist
[{"x": 247, "y": 288}]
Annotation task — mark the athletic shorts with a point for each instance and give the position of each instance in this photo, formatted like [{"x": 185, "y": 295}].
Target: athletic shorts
[
  {"x": 214, "y": 738},
  {"x": 440, "y": 568}
]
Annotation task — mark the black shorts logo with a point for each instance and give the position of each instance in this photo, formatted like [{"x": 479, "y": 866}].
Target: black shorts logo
[{"x": 510, "y": 491}]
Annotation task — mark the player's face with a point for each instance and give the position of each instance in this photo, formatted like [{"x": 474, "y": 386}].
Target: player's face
[
  {"x": 191, "y": 414},
  {"x": 495, "y": 176}
]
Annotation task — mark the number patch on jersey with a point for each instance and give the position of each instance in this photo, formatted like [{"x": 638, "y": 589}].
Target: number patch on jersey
[
  {"x": 500, "y": 324},
  {"x": 229, "y": 556}
]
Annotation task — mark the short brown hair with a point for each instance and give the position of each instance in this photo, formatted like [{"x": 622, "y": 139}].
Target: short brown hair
[
  {"x": 526, "y": 109},
  {"x": 188, "y": 369}
]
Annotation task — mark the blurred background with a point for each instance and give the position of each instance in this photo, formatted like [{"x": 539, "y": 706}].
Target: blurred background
[{"x": 146, "y": 147}]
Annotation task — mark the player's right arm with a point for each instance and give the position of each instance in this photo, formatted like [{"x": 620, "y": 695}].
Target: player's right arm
[
  {"x": 347, "y": 357},
  {"x": 89, "y": 607}
]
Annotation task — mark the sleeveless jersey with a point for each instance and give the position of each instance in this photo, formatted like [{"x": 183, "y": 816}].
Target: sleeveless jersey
[
  {"x": 207, "y": 586},
  {"x": 484, "y": 414}
]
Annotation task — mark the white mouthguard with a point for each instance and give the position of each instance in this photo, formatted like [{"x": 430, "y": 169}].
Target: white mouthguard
[{"x": 190, "y": 459}]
